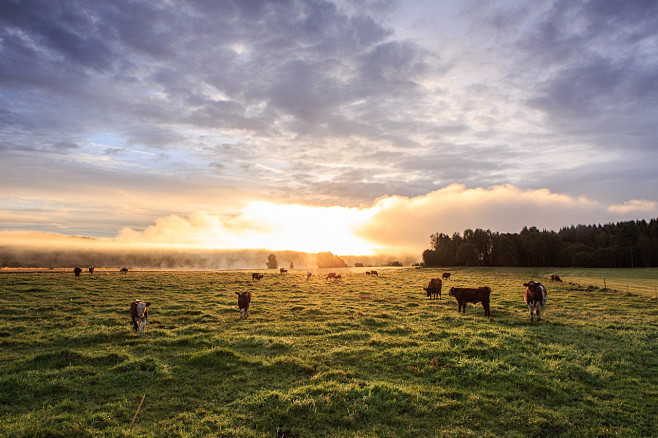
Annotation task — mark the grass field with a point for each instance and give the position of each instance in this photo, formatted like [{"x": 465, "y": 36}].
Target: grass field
[{"x": 360, "y": 357}]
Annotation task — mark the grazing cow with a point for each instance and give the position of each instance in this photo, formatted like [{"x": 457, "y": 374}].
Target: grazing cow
[
  {"x": 139, "y": 311},
  {"x": 308, "y": 274},
  {"x": 91, "y": 269},
  {"x": 77, "y": 271},
  {"x": 433, "y": 289},
  {"x": 555, "y": 278},
  {"x": 338, "y": 277},
  {"x": 465, "y": 295},
  {"x": 330, "y": 276},
  {"x": 282, "y": 270},
  {"x": 256, "y": 276},
  {"x": 244, "y": 299},
  {"x": 535, "y": 298},
  {"x": 445, "y": 276},
  {"x": 374, "y": 273},
  {"x": 124, "y": 270},
  {"x": 367, "y": 272}
]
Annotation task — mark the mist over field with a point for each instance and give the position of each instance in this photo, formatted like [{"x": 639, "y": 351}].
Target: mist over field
[{"x": 38, "y": 250}]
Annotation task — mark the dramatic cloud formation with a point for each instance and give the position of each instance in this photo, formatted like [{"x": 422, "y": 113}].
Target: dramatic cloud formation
[{"x": 127, "y": 114}]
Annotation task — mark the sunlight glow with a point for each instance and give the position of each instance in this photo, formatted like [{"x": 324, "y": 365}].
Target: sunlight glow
[
  {"x": 263, "y": 225},
  {"x": 303, "y": 228}
]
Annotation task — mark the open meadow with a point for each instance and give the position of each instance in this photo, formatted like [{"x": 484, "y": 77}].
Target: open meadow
[{"x": 364, "y": 356}]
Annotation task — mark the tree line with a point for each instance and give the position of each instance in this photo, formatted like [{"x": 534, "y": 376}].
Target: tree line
[{"x": 628, "y": 244}]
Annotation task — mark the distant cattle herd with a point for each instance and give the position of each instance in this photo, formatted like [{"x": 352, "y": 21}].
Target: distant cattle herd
[{"x": 535, "y": 295}]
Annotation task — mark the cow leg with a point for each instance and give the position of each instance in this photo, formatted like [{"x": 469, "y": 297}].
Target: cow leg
[
  {"x": 144, "y": 326},
  {"x": 135, "y": 326},
  {"x": 538, "y": 314},
  {"x": 246, "y": 313},
  {"x": 531, "y": 315},
  {"x": 486, "y": 309}
]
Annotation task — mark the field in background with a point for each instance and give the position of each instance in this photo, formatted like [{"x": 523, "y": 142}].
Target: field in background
[
  {"x": 363, "y": 356},
  {"x": 643, "y": 281}
]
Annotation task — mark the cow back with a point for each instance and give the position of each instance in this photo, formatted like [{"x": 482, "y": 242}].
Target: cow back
[
  {"x": 471, "y": 294},
  {"x": 435, "y": 284}
]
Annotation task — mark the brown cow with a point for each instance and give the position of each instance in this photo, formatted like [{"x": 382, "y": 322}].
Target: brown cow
[
  {"x": 374, "y": 273},
  {"x": 256, "y": 276},
  {"x": 555, "y": 278},
  {"x": 77, "y": 271},
  {"x": 433, "y": 289},
  {"x": 445, "y": 276},
  {"x": 139, "y": 311},
  {"x": 535, "y": 298},
  {"x": 283, "y": 270},
  {"x": 465, "y": 295},
  {"x": 330, "y": 276},
  {"x": 244, "y": 299}
]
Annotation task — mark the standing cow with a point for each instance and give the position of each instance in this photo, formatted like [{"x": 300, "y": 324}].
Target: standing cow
[
  {"x": 535, "y": 298},
  {"x": 139, "y": 311},
  {"x": 465, "y": 295},
  {"x": 433, "y": 289},
  {"x": 445, "y": 276},
  {"x": 244, "y": 300},
  {"x": 77, "y": 270}
]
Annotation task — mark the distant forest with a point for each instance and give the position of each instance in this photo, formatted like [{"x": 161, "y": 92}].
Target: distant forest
[{"x": 631, "y": 244}]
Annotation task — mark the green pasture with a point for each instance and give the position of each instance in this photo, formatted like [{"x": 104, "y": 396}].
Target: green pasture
[{"x": 360, "y": 357}]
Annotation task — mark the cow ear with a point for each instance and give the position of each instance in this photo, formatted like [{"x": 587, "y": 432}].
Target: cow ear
[
  {"x": 148, "y": 304},
  {"x": 237, "y": 293}
]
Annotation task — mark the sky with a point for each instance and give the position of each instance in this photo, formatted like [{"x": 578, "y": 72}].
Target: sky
[{"x": 345, "y": 126}]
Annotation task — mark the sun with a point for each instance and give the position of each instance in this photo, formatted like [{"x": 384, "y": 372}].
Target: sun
[
  {"x": 291, "y": 227},
  {"x": 306, "y": 228}
]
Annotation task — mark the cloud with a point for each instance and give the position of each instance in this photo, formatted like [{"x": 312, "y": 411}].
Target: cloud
[
  {"x": 637, "y": 207},
  {"x": 390, "y": 224},
  {"x": 402, "y": 222},
  {"x": 323, "y": 102}
]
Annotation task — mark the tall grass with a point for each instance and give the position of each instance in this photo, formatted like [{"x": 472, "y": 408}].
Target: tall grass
[{"x": 363, "y": 356}]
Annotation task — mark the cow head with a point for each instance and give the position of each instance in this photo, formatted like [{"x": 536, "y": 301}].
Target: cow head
[
  {"x": 451, "y": 292},
  {"x": 140, "y": 308}
]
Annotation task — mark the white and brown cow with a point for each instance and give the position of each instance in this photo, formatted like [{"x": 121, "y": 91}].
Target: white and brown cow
[
  {"x": 535, "y": 298},
  {"x": 244, "y": 300},
  {"x": 139, "y": 311}
]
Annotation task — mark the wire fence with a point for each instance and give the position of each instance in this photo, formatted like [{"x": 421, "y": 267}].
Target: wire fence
[{"x": 644, "y": 287}]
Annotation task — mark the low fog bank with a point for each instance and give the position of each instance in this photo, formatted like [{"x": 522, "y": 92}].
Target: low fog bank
[{"x": 37, "y": 250}]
